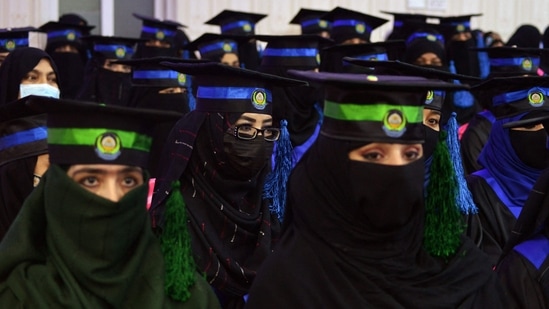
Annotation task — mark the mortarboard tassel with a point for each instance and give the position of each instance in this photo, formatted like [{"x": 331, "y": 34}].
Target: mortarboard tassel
[
  {"x": 276, "y": 182},
  {"x": 443, "y": 221},
  {"x": 464, "y": 198},
  {"x": 462, "y": 98},
  {"x": 175, "y": 241},
  {"x": 191, "y": 98}
]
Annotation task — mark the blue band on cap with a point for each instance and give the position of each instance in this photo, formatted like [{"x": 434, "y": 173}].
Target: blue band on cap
[
  {"x": 425, "y": 35},
  {"x": 501, "y": 62},
  {"x": 377, "y": 57},
  {"x": 235, "y": 93},
  {"x": 65, "y": 33},
  {"x": 23, "y": 137},
  {"x": 155, "y": 74},
  {"x": 398, "y": 23},
  {"x": 17, "y": 42},
  {"x": 219, "y": 46},
  {"x": 351, "y": 23},
  {"x": 238, "y": 24},
  {"x": 310, "y": 22},
  {"x": 465, "y": 24},
  {"x": 517, "y": 95},
  {"x": 290, "y": 52},
  {"x": 154, "y": 30},
  {"x": 112, "y": 48}
]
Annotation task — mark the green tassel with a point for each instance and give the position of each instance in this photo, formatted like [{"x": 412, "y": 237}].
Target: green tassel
[
  {"x": 443, "y": 220},
  {"x": 175, "y": 241}
]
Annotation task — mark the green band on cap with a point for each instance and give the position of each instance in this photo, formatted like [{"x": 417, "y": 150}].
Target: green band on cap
[
  {"x": 370, "y": 112},
  {"x": 89, "y": 137}
]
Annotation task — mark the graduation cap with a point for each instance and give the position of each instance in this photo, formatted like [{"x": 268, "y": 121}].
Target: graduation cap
[
  {"x": 511, "y": 96},
  {"x": 90, "y": 133},
  {"x": 349, "y": 24},
  {"x": 435, "y": 98},
  {"x": 292, "y": 50},
  {"x": 72, "y": 18},
  {"x": 425, "y": 40},
  {"x": 456, "y": 24},
  {"x": 223, "y": 88},
  {"x": 405, "y": 23},
  {"x": 60, "y": 34},
  {"x": 111, "y": 47},
  {"x": 332, "y": 57},
  {"x": 213, "y": 46},
  {"x": 370, "y": 108},
  {"x": 506, "y": 61},
  {"x": 311, "y": 22},
  {"x": 22, "y": 131},
  {"x": 235, "y": 22},
  {"x": 149, "y": 72},
  {"x": 13, "y": 38},
  {"x": 156, "y": 29}
]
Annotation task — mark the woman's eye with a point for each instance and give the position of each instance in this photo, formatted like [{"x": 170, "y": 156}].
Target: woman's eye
[
  {"x": 433, "y": 121},
  {"x": 411, "y": 154},
  {"x": 245, "y": 128},
  {"x": 372, "y": 156},
  {"x": 30, "y": 77},
  {"x": 129, "y": 182},
  {"x": 90, "y": 181}
]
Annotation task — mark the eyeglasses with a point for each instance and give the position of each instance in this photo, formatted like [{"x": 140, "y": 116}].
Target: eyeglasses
[{"x": 247, "y": 132}]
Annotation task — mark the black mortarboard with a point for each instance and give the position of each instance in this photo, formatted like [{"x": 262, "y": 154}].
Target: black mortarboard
[
  {"x": 111, "y": 47},
  {"x": 506, "y": 61},
  {"x": 425, "y": 40},
  {"x": 371, "y": 108},
  {"x": 435, "y": 99},
  {"x": 156, "y": 29},
  {"x": 22, "y": 131},
  {"x": 90, "y": 133},
  {"x": 235, "y": 22},
  {"x": 292, "y": 50},
  {"x": 223, "y": 88},
  {"x": 149, "y": 72},
  {"x": 348, "y": 24},
  {"x": 60, "y": 34},
  {"x": 405, "y": 23},
  {"x": 13, "y": 38},
  {"x": 72, "y": 18},
  {"x": 456, "y": 24},
  {"x": 510, "y": 96},
  {"x": 311, "y": 22},
  {"x": 332, "y": 57},
  {"x": 213, "y": 46}
]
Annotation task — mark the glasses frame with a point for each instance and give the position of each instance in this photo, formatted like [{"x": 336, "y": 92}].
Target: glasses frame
[{"x": 234, "y": 132}]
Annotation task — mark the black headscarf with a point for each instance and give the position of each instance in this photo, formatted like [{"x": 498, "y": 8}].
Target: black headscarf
[
  {"x": 232, "y": 229},
  {"x": 341, "y": 255},
  {"x": 525, "y": 36},
  {"x": 17, "y": 64},
  {"x": 105, "y": 86}
]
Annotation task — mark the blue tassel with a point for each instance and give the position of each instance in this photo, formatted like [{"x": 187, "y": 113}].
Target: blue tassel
[
  {"x": 462, "y": 98},
  {"x": 464, "y": 198},
  {"x": 191, "y": 99},
  {"x": 276, "y": 182},
  {"x": 483, "y": 60}
]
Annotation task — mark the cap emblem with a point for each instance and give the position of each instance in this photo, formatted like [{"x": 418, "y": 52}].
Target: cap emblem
[
  {"x": 394, "y": 123},
  {"x": 259, "y": 99},
  {"x": 108, "y": 146}
]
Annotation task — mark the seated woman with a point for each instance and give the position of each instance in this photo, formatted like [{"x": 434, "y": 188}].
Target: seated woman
[
  {"x": 356, "y": 235},
  {"x": 83, "y": 238}
]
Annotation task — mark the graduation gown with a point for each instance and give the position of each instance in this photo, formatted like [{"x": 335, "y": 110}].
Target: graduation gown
[{"x": 474, "y": 139}]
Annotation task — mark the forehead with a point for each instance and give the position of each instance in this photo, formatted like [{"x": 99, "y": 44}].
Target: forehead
[
  {"x": 103, "y": 168},
  {"x": 255, "y": 117}
]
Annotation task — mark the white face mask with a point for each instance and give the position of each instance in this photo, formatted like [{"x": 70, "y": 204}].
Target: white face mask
[{"x": 43, "y": 90}]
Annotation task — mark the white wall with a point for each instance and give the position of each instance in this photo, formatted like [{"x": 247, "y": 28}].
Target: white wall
[{"x": 503, "y": 16}]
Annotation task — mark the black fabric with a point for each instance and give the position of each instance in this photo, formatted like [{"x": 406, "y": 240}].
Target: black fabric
[
  {"x": 231, "y": 227},
  {"x": 465, "y": 60},
  {"x": 331, "y": 258},
  {"x": 431, "y": 140},
  {"x": 15, "y": 67},
  {"x": 71, "y": 73},
  {"x": 525, "y": 36},
  {"x": 472, "y": 141},
  {"x": 530, "y": 147},
  {"x": 144, "y": 51},
  {"x": 495, "y": 220},
  {"x": 74, "y": 249},
  {"x": 105, "y": 86},
  {"x": 16, "y": 178}
]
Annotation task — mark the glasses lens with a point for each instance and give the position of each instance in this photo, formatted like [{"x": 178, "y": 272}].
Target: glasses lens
[
  {"x": 246, "y": 132},
  {"x": 271, "y": 134}
]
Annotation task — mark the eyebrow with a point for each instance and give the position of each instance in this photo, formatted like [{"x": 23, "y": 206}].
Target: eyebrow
[{"x": 129, "y": 169}]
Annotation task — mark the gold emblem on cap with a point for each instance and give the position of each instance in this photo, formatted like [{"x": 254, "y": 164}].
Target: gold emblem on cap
[
  {"x": 108, "y": 146},
  {"x": 394, "y": 123},
  {"x": 460, "y": 28},
  {"x": 526, "y": 64},
  {"x": 259, "y": 99},
  {"x": 430, "y": 96},
  {"x": 227, "y": 47},
  {"x": 536, "y": 98},
  {"x": 181, "y": 78},
  {"x": 120, "y": 52},
  {"x": 360, "y": 28},
  {"x": 372, "y": 78},
  {"x": 160, "y": 35},
  {"x": 322, "y": 24},
  {"x": 247, "y": 27},
  {"x": 10, "y": 45},
  {"x": 431, "y": 38},
  {"x": 71, "y": 36}
]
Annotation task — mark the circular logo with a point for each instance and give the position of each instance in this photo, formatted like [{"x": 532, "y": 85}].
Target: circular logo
[
  {"x": 322, "y": 24},
  {"x": 394, "y": 123},
  {"x": 247, "y": 27},
  {"x": 108, "y": 146},
  {"x": 10, "y": 45},
  {"x": 536, "y": 97},
  {"x": 460, "y": 28},
  {"x": 120, "y": 52},
  {"x": 430, "y": 97},
  {"x": 182, "y": 79},
  {"x": 259, "y": 99},
  {"x": 227, "y": 47},
  {"x": 372, "y": 78},
  {"x": 71, "y": 36},
  {"x": 431, "y": 38},
  {"x": 360, "y": 28},
  {"x": 526, "y": 64},
  {"x": 160, "y": 35}
]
